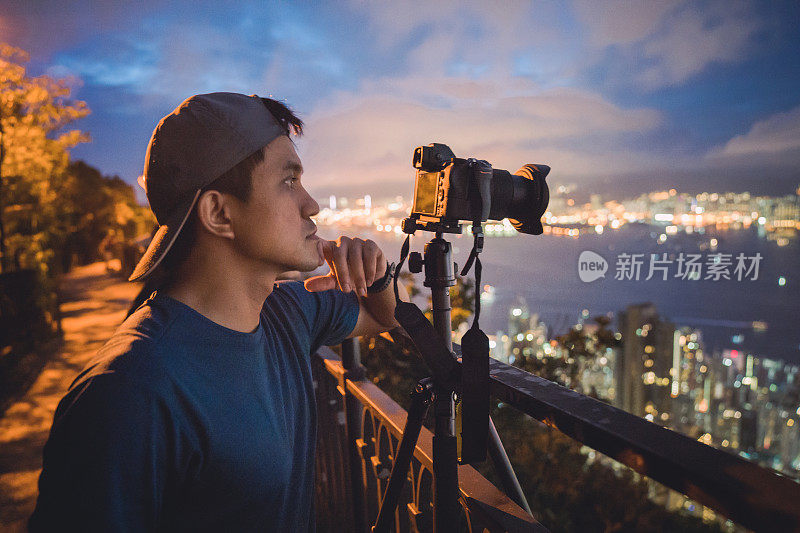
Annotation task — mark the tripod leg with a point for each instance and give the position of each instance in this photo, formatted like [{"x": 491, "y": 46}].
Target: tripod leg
[
  {"x": 503, "y": 468},
  {"x": 420, "y": 400},
  {"x": 446, "y": 509}
]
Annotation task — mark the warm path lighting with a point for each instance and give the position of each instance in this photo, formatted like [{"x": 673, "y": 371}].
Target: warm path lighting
[{"x": 94, "y": 305}]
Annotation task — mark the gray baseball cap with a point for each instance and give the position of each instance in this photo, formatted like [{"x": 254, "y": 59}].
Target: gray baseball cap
[{"x": 204, "y": 137}]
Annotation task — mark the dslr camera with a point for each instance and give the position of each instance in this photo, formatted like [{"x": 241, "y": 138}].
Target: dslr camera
[{"x": 449, "y": 189}]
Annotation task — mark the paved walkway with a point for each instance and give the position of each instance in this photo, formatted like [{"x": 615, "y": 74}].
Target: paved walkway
[{"x": 94, "y": 305}]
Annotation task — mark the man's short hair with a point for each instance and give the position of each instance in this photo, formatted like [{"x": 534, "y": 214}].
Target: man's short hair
[{"x": 238, "y": 182}]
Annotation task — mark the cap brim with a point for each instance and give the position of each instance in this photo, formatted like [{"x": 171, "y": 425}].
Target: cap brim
[{"x": 163, "y": 240}]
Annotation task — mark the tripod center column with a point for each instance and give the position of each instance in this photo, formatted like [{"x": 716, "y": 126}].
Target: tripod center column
[{"x": 439, "y": 277}]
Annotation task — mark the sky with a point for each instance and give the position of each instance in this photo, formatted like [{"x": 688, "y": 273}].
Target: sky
[{"x": 616, "y": 96}]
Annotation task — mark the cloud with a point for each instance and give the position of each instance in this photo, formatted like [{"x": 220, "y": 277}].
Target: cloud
[
  {"x": 162, "y": 63},
  {"x": 395, "y": 22},
  {"x": 178, "y": 60},
  {"x": 367, "y": 137},
  {"x": 170, "y": 51},
  {"x": 462, "y": 38},
  {"x": 765, "y": 159},
  {"x": 772, "y": 137},
  {"x": 44, "y": 27},
  {"x": 616, "y": 22},
  {"x": 641, "y": 45},
  {"x": 697, "y": 38},
  {"x": 659, "y": 44},
  {"x": 513, "y": 82}
]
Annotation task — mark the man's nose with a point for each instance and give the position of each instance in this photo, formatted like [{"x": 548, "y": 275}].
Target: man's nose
[{"x": 310, "y": 206}]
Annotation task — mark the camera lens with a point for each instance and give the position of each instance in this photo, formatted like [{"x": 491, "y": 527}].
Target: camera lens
[{"x": 521, "y": 197}]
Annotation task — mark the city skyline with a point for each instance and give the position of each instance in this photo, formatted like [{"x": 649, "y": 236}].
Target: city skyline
[
  {"x": 776, "y": 218},
  {"x": 663, "y": 372},
  {"x": 673, "y": 246},
  {"x": 607, "y": 93}
]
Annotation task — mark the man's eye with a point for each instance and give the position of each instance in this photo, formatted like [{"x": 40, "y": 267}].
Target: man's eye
[{"x": 292, "y": 181}]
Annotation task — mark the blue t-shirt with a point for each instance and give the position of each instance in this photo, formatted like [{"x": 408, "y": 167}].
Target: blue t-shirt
[{"x": 181, "y": 424}]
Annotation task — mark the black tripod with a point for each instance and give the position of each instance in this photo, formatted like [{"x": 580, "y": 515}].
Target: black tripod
[{"x": 439, "y": 390}]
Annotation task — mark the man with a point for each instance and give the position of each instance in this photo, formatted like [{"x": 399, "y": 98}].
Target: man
[{"x": 198, "y": 414}]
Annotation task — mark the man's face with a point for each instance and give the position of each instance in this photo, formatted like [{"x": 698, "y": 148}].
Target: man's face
[{"x": 274, "y": 227}]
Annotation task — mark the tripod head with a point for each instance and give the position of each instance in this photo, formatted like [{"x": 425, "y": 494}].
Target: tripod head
[{"x": 411, "y": 224}]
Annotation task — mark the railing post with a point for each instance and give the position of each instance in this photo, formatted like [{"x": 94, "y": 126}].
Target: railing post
[{"x": 351, "y": 362}]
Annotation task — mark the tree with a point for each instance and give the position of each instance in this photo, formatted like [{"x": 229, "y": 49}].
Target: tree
[
  {"x": 462, "y": 301},
  {"x": 462, "y": 298},
  {"x": 97, "y": 210},
  {"x": 584, "y": 345},
  {"x": 573, "y": 352},
  {"x": 34, "y": 112}
]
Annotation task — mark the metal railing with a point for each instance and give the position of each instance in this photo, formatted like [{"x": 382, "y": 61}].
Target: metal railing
[
  {"x": 360, "y": 427},
  {"x": 359, "y": 432}
]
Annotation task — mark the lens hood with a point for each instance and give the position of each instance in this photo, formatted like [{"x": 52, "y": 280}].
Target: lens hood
[{"x": 534, "y": 195}]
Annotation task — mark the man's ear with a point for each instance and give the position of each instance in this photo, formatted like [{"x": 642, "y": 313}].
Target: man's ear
[{"x": 214, "y": 213}]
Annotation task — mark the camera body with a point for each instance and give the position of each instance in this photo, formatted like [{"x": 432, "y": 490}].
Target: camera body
[
  {"x": 449, "y": 189},
  {"x": 443, "y": 183}
]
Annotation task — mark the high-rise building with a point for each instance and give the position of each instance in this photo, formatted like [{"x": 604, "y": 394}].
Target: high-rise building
[
  {"x": 748, "y": 430},
  {"x": 790, "y": 443},
  {"x": 644, "y": 363},
  {"x": 690, "y": 388},
  {"x": 519, "y": 324}
]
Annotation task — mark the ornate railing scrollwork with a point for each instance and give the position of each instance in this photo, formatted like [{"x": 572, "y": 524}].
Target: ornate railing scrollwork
[{"x": 381, "y": 425}]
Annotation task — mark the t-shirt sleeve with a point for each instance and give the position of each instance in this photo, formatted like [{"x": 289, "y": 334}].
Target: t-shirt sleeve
[
  {"x": 329, "y": 315},
  {"x": 107, "y": 461}
]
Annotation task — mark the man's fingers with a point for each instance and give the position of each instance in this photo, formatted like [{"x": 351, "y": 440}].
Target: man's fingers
[
  {"x": 371, "y": 253},
  {"x": 355, "y": 263},
  {"x": 325, "y": 249},
  {"x": 321, "y": 283},
  {"x": 321, "y": 251},
  {"x": 340, "y": 266},
  {"x": 380, "y": 264}
]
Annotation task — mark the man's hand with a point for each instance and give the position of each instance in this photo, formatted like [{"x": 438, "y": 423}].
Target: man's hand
[{"x": 355, "y": 264}]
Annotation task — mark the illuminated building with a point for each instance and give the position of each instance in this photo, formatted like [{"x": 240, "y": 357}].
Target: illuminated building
[
  {"x": 645, "y": 358},
  {"x": 748, "y": 431},
  {"x": 519, "y": 324}
]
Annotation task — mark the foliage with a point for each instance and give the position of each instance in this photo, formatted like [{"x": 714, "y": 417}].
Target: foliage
[
  {"x": 50, "y": 209},
  {"x": 28, "y": 310},
  {"x": 573, "y": 352},
  {"x": 569, "y": 493},
  {"x": 34, "y": 112},
  {"x": 99, "y": 212},
  {"x": 462, "y": 301},
  {"x": 462, "y": 298}
]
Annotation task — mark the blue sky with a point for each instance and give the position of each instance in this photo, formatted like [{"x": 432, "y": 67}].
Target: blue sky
[{"x": 612, "y": 94}]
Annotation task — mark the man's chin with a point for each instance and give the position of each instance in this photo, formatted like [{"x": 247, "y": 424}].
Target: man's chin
[
  {"x": 306, "y": 260},
  {"x": 306, "y": 266}
]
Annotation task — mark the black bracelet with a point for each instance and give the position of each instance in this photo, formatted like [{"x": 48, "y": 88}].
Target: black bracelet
[{"x": 380, "y": 285}]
